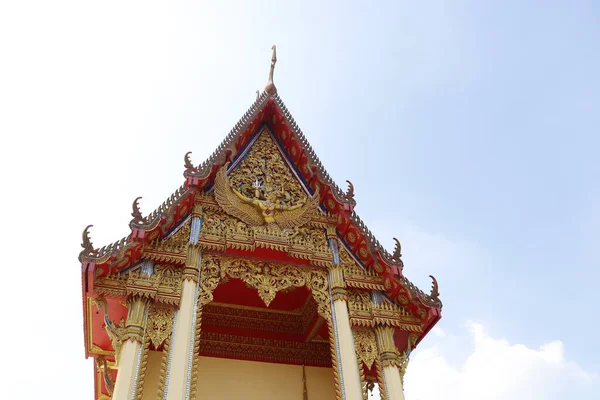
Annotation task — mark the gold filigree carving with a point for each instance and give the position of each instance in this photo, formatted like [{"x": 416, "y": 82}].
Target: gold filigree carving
[
  {"x": 136, "y": 315},
  {"x": 266, "y": 206},
  {"x": 192, "y": 264},
  {"x": 221, "y": 231},
  {"x": 337, "y": 284},
  {"x": 267, "y": 278},
  {"x": 160, "y": 324},
  {"x": 366, "y": 345},
  {"x": 176, "y": 242},
  {"x": 164, "y": 286},
  {"x": 357, "y": 277},
  {"x": 113, "y": 330},
  {"x": 216, "y": 268},
  {"x": 364, "y": 312},
  {"x": 387, "y": 348},
  {"x": 265, "y": 163},
  {"x": 262, "y": 189},
  {"x": 264, "y": 349}
]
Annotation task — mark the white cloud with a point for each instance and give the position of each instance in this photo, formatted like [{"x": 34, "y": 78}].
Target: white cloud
[
  {"x": 438, "y": 331},
  {"x": 497, "y": 369}
]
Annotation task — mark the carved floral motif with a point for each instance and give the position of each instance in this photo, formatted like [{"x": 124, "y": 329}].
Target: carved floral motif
[
  {"x": 366, "y": 345},
  {"x": 364, "y": 312},
  {"x": 267, "y": 278},
  {"x": 264, "y": 165},
  {"x": 160, "y": 324}
]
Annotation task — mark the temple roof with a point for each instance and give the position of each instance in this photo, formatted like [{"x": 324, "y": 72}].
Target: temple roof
[{"x": 270, "y": 111}]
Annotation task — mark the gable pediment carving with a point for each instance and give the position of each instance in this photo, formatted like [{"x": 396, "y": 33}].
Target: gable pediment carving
[{"x": 261, "y": 188}]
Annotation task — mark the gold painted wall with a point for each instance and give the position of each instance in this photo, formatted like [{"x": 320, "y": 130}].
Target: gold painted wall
[{"x": 233, "y": 379}]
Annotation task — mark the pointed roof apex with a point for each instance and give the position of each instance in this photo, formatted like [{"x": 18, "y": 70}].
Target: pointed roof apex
[{"x": 270, "y": 88}]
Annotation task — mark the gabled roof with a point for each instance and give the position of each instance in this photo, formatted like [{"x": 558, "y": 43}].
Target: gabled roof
[{"x": 268, "y": 109}]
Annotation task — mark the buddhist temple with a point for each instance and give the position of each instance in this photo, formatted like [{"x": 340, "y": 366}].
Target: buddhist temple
[{"x": 256, "y": 279}]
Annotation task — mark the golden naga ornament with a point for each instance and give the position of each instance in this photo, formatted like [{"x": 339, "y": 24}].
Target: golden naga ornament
[{"x": 267, "y": 206}]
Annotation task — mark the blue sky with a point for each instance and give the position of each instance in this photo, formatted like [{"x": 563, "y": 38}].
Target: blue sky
[{"x": 469, "y": 130}]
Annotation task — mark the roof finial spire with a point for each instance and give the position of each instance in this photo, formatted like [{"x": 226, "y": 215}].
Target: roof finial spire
[{"x": 270, "y": 88}]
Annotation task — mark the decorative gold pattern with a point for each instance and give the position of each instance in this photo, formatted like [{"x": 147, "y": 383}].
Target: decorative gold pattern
[
  {"x": 363, "y": 312},
  {"x": 293, "y": 241},
  {"x": 164, "y": 361},
  {"x": 264, "y": 164},
  {"x": 176, "y": 243},
  {"x": 387, "y": 348},
  {"x": 139, "y": 389},
  {"x": 366, "y": 345},
  {"x": 337, "y": 284},
  {"x": 267, "y": 278},
  {"x": 215, "y": 268},
  {"x": 267, "y": 204},
  {"x": 221, "y": 231},
  {"x": 192, "y": 264},
  {"x": 160, "y": 324},
  {"x": 164, "y": 286},
  {"x": 263, "y": 349},
  {"x": 136, "y": 314},
  {"x": 357, "y": 277}
]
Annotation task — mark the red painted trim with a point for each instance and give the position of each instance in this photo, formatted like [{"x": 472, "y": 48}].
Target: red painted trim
[{"x": 435, "y": 314}]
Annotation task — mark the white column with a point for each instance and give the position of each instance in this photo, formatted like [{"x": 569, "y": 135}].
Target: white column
[
  {"x": 391, "y": 363},
  {"x": 183, "y": 340},
  {"x": 348, "y": 363},
  {"x": 132, "y": 344}
]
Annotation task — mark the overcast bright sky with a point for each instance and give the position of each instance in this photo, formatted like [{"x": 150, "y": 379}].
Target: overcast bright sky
[{"x": 469, "y": 129}]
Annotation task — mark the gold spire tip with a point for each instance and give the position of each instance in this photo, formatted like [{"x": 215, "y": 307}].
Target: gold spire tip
[{"x": 270, "y": 88}]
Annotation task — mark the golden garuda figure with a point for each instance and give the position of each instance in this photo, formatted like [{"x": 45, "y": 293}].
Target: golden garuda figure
[{"x": 266, "y": 207}]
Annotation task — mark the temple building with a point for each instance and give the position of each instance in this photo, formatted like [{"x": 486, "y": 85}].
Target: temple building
[{"x": 255, "y": 279}]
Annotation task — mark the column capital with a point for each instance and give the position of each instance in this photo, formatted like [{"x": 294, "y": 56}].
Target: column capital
[
  {"x": 331, "y": 232},
  {"x": 337, "y": 283},
  {"x": 192, "y": 263},
  {"x": 198, "y": 211},
  {"x": 136, "y": 316},
  {"x": 387, "y": 348}
]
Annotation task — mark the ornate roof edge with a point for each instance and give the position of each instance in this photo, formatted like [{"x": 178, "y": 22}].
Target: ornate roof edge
[
  {"x": 100, "y": 255},
  {"x": 222, "y": 154},
  {"x": 218, "y": 156}
]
